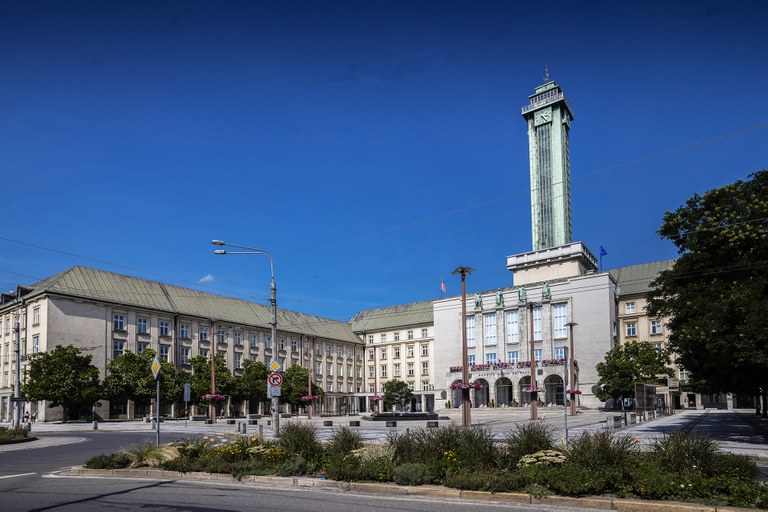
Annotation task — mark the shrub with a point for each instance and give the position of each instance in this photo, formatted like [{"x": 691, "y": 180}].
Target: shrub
[
  {"x": 301, "y": 439},
  {"x": 686, "y": 452},
  {"x": 466, "y": 446},
  {"x": 294, "y": 466},
  {"x": 379, "y": 469},
  {"x": 603, "y": 449},
  {"x": 528, "y": 438},
  {"x": 545, "y": 457},
  {"x": 344, "y": 468},
  {"x": 737, "y": 466},
  {"x": 152, "y": 455},
  {"x": 108, "y": 461},
  {"x": 344, "y": 440},
  {"x": 411, "y": 474},
  {"x": 12, "y": 434}
]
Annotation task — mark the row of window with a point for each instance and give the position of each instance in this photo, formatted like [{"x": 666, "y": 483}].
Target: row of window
[
  {"x": 512, "y": 321},
  {"x": 22, "y": 321},
  {"x": 513, "y": 356},
  {"x": 631, "y": 328},
  {"x": 409, "y": 335},
  {"x": 425, "y": 386},
  {"x": 396, "y": 352},
  {"x": 410, "y": 370}
]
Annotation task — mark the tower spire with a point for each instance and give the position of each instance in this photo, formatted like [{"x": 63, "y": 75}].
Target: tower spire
[{"x": 546, "y": 73}]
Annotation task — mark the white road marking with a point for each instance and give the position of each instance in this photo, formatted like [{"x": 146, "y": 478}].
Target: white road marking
[{"x": 14, "y": 476}]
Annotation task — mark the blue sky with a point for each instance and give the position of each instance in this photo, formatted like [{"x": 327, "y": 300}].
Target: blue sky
[{"x": 371, "y": 147}]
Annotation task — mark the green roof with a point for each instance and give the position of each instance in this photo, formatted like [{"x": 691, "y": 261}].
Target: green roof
[
  {"x": 416, "y": 313},
  {"x": 99, "y": 285},
  {"x": 636, "y": 279}
]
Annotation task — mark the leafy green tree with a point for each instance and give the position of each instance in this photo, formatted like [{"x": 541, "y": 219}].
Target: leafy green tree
[
  {"x": 716, "y": 295},
  {"x": 252, "y": 385},
  {"x": 129, "y": 377},
  {"x": 396, "y": 392},
  {"x": 627, "y": 365},
  {"x": 64, "y": 377},
  {"x": 226, "y": 384},
  {"x": 295, "y": 386}
]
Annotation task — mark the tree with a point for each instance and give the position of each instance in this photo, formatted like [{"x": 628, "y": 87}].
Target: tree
[
  {"x": 129, "y": 377},
  {"x": 252, "y": 385},
  {"x": 64, "y": 377},
  {"x": 716, "y": 294},
  {"x": 627, "y": 365},
  {"x": 396, "y": 392},
  {"x": 201, "y": 378},
  {"x": 295, "y": 386}
]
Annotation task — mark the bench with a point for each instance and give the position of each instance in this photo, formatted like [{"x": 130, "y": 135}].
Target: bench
[
  {"x": 354, "y": 423},
  {"x": 327, "y": 423}
]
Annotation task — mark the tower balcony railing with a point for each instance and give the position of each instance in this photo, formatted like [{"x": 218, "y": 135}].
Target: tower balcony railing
[{"x": 546, "y": 101}]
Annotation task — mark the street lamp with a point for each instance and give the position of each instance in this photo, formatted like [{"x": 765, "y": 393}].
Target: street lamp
[
  {"x": 534, "y": 389},
  {"x": 466, "y": 419},
  {"x": 310, "y": 365},
  {"x": 571, "y": 374},
  {"x": 17, "y": 376},
  {"x": 272, "y": 300}
]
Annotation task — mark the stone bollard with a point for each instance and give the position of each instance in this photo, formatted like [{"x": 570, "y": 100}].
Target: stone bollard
[
  {"x": 152, "y": 425},
  {"x": 261, "y": 430},
  {"x": 95, "y": 425},
  {"x": 243, "y": 428}
]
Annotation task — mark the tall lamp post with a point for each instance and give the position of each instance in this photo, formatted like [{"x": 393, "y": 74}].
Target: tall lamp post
[
  {"x": 17, "y": 372},
  {"x": 272, "y": 300},
  {"x": 310, "y": 365},
  {"x": 571, "y": 375},
  {"x": 466, "y": 418},
  {"x": 534, "y": 389}
]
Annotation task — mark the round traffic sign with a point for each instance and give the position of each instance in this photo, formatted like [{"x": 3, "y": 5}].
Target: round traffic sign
[{"x": 275, "y": 379}]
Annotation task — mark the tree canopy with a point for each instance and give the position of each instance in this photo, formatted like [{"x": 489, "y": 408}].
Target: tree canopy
[
  {"x": 129, "y": 377},
  {"x": 226, "y": 384},
  {"x": 295, "y": 386},
  {"x": 629, "y": 364},
  {"x": 716, "y": 295},
  {"x": 252, "y": 385},
  {"x": 64, "y": 377},
  {"x": 396, "y": 392}
]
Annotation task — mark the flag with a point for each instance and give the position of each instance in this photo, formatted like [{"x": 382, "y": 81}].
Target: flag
[
  {"x": 442, "y": 286},
  {"x": 603, "y": 252}
]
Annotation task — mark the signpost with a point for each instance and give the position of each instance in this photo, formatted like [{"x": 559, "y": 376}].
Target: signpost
[
  {"x": 156, "y": 374},
  {"x": 187, "y": 397},
  {"x": 273, "y": 390}
]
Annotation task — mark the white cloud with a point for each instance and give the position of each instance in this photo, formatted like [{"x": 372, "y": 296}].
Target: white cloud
[{"x": 208, "y": 278}]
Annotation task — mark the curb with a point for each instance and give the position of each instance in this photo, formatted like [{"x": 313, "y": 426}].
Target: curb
[
  {"x": 429, "y": 491},
  {"x": 17, "y": 441}
]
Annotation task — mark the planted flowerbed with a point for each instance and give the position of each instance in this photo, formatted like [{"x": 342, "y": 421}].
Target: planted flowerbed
[
  {"x": 9, "y": 435},
  {"x": 684, "y": 466}
]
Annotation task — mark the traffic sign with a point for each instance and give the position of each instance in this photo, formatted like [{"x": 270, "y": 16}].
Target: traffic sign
[
  {"x": 155, "y": 367},
  {"x": 275, "y": 366},
  {"x": 19, "y": 399},
  {"x": 273, "y": 391},
  {"x": 275, "y": 379},
  {"x": 187, "y": 391}
]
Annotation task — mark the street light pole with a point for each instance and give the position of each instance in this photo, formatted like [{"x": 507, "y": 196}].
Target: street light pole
[
  {"x": 310, "y": 360},
  {"x": 466, "y": 418},
  {"x": 16, "y": 376},
  {"x": 273, "y": 302},
  {"x": 571, "y": 374},
  {"x": 534, "y": 389}
]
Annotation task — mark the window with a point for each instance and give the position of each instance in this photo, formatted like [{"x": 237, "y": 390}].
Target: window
[
  {"x": 559, "y": 352},
  {"x": 537, "y": 334},
  {"x": 339, "y": 369},
  {"x": 658, "y": 346},
  {"x": 371, "y": 373},
  {"x": 537, "y": 354},
  {"x": 36, "y": 315},
  {"x": 118, "y": 347},
  {"x": 410, "y": 350},
  {"x": 254, "y": 340},
  {"x": 142, "y": 325},
  {"x": 268, "y": 341},
  {"x": 655, "y": 326},
  {"x": 141, "y": 347},
  {"x": 410, "y": 369},
  {"x": 118, "y": 323},
  {"x": 489, "y": 330},
  {"x": 384, "y": 370},
  {"x": 513, "y": 356},
  {"x": 204, "y": 352},
  {"x": 164, "y": 352},
  {"x": 164, "y": 328},
  {"x": 409, "y": 334},
  {"x": 294, "y": 344},
  {"x": 203, "y": 331},
  {"x": 184, "y": 331},
  {"x": 396, "y": 353},
  {"x": 184, "y": 355},
  {"x": 238, "y": 338},
  {"x": 471, "y": 331},
  {"x": 349, "y": 370},
  {"x": 471, "y": 359},
  {"x": 370, "y": 355},
  {"x": 281, "y": 344},
  {"x": 490, "y": 358},
  {"x": 629, "y": 307},
  {"x": 513, "y": 328},
  {"x": 397, "y": 336},
  {"x": 370, "y": 339},
  {"x": 425, "y": 349},
  {"x": 281, "y": 362},
  {"x": 396, "y": 370},
  {"x": 221, "y": 336},
  {"x": 631, "y": 328},
  {"x": 35, "y": 344},
  {"x": 222, "y": 356},
  {"x": 424, "y": 332},
  {"x": 383, "y": 337},
  {"x": 560, "y": 318},
  {"x": 383, "y": 353},
  {"x": 238, "y": 360},
  {"x": 425, "y": 368},
  {"x": 685, "y": 375}
]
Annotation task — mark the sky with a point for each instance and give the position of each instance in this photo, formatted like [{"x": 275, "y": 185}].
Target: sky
[{"x": 370, "y": 146}]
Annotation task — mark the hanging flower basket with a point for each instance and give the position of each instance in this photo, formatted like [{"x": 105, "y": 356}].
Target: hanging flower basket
[
  {"x": 573, "y": 392},
  {"x": 531, "y": 390},
  {"x": 466, "y": 385},
  {"x": 375, "y": 398},
  {"x": 213, "y": 397},
  {"x": 308, "y": 398}
]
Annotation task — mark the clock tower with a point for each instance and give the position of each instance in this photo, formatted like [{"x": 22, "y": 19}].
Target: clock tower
[{"x": 549, "y": 117}]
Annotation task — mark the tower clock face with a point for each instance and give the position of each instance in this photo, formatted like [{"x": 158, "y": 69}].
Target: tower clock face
[{"x": 543, "y": 116}]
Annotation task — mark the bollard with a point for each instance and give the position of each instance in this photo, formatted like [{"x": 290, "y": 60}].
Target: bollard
[
  {"x": 244, "y": 428},
  {"x": 152, "y": 425},
  {"x": 261, "y": 430},
  {"x": 95, "y": 425}
]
